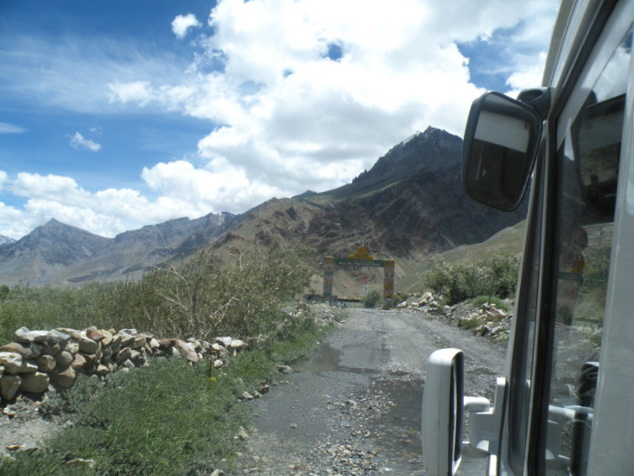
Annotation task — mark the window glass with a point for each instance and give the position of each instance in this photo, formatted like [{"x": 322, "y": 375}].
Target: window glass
[
  {"x": 524, "y": 343},
  {"x": 587, "y": 171}
]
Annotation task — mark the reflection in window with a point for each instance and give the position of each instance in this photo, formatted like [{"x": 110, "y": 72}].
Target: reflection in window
[{"x": 588, "y": 162}]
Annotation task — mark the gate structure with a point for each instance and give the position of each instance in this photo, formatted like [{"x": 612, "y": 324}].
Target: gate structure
[{"x": 361, "y": 258}]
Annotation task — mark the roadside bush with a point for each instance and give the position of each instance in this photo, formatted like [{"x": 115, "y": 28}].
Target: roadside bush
[
  {"x": 503, "y": 273},
  {"x": 457, "y": 282},
  {"x": 470, "y": 323},
  {"x": 371, "y": 299},
  {"x": 204, "y": 297},
  {"x": 200, "y": 297}
]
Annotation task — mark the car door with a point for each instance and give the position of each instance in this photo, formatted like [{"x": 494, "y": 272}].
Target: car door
[{"x": 561, "y": 351}]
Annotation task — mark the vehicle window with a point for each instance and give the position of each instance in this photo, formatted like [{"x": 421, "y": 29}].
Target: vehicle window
[{"x": 587, "y": 163}]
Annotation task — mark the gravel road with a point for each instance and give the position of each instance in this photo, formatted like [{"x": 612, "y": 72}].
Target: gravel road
[{"x": 354, "y": 407}]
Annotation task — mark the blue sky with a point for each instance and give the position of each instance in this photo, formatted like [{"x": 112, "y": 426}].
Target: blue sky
[{"x": 117, "y": 114}]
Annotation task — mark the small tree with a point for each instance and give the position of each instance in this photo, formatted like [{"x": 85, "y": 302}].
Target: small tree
[
  {"x": 203, "y": 296},
  {"x": 371, "y": 299}
]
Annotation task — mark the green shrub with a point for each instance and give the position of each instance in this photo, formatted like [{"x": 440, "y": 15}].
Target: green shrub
[
  {"x": 371, "y": 299},
  {"x": 46, "y": 308},
  {"x": 499, "y": 303},
  {"x": 503, "y": 272},
  {"x": 457, "y": 282},
  {"x": 399, "y": 297}
]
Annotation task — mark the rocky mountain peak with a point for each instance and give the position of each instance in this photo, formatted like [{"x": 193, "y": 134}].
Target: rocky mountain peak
[
  {"x": 57, "y": 243},
  {"x": 434, "y": 149},
  {"x": 430, "y": 134},
  {"x": 306, "y": 194},
  {"x": 58, "y": 230}
]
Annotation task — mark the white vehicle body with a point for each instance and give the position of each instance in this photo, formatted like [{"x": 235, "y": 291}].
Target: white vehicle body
[{"x": 565, "y": 405}]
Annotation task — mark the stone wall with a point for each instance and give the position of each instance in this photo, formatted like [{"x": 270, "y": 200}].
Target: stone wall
[{"x": 38, "y": 359}]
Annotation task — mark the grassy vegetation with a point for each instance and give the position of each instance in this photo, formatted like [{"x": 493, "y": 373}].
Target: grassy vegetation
[
  {"x": 506, "y": 242},
  {"x": 43, "y": 308},
  {"x": 164, "y": 419},
  {"x": 171, "y": 417},
  {"x": 471, "y": 323}
]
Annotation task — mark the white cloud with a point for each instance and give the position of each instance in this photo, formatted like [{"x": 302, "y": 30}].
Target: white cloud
[
  {"x": 283, "y": 116},
  {"x": 104, "y": 212},
  {"x": 75, "y": 73},
  {"x": 182, "y": 23},
  {"x": 78, "y": 141},
  {"x": 526, "y": 77},
  {"x": 134, "y": 91},
  {"x": 220, "y": 187},
  {"x": 6, "y": 128},
  {"x": 4, "y": 178},
  {"x": 15, "y": 223},
  {"x": 291, "y": 116}
]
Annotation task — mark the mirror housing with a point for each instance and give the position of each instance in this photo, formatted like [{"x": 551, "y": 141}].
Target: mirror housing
[
  {"x": 443, "y": 413},
  {"x": 500, "y": 146}
]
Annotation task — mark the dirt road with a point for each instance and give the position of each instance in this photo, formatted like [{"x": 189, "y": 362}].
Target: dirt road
[{"x": 354, "y": 408}]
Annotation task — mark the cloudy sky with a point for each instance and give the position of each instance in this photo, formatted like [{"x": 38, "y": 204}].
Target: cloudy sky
[{"x": 117, "y": 114}]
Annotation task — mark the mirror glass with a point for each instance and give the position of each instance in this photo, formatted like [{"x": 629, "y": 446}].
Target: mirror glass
[
  {"x": 457, "y": 413},
  {"x": 500, "y": 146},
  {"x": 597, "y": 138}
]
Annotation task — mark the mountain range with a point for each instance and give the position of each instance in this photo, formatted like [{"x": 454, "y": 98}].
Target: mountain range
[{"x": 409, "y": 205}]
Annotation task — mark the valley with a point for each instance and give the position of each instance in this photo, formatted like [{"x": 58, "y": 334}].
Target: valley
[{"x": 408, "y": 207}]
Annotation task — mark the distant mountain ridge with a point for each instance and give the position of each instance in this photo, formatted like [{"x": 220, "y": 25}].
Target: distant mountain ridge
[
  {"x": 57, "y": 253},
  {"x": 5, "y": 240},
  {"x": 409, "y": 205}
]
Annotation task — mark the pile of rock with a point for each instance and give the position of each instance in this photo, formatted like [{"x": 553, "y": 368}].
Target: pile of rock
[
  {"x": 37, "y": 359},
  {"x": 427, "y": 301},
  {"x": 485, "y": 320},
  {"x": 323, "y": 314}
]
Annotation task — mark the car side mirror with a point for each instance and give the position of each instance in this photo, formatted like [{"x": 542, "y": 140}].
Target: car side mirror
[
  {"x": 443, "y": 413},
  {"x": 500, "y": 146}
]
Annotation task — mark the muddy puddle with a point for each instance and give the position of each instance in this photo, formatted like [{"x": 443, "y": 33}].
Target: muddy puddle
[
  {"x": 397, "y": 430},
  {"x": 329, "y": 359}
]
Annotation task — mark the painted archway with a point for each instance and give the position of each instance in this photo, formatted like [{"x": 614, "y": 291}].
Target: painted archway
[{"x": 361, "y": 258}]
